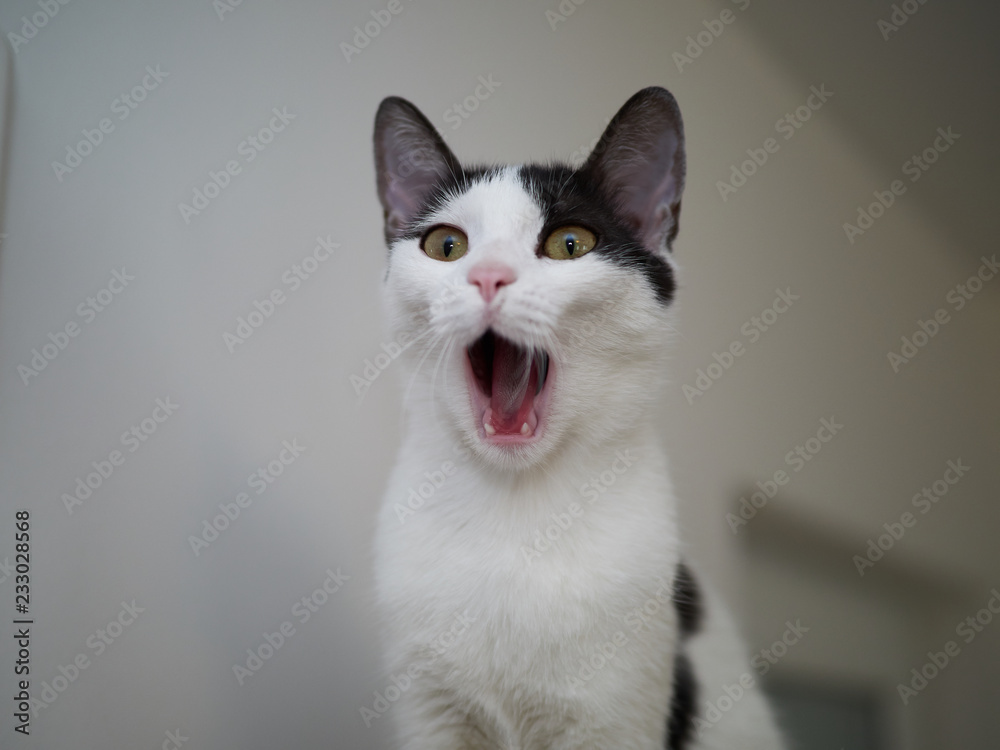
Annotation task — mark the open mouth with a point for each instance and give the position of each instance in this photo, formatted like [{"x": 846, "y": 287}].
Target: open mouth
[{"x": 508, "y": 387}]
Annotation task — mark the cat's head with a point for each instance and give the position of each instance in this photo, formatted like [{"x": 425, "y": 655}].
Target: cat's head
[{"x": 535, "y": 297}]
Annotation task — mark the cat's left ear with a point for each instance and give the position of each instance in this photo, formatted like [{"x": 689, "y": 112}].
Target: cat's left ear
[
  {"x": 411, "y": 158},
  {"x": 639, "y": 164}
]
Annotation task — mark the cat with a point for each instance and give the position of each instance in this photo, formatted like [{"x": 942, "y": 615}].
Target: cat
[{"x": 527, "y": 558}]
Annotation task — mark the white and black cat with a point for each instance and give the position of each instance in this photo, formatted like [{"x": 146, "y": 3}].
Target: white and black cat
[{"x": 527, "y": 556}]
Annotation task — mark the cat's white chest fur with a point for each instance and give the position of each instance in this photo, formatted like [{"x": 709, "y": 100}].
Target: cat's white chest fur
[{"x": 505, "y": 603}]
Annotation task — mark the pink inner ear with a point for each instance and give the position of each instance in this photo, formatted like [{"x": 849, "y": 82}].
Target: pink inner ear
[
  {"x": 649, "y": 191},
  {"x": 639, "y": 162},
  {"x": 658, "y": 210},
  {"x": 407, "y": 187},
  {"x": 410, "y": 158},
  {"x": 402, "y": 204}
]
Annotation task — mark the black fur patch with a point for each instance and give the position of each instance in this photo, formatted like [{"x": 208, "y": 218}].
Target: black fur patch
[
  {"x": 687, "y": 601},
  {"x": 680, "y": 721},
  {"x": 569, "y": 197},
  {"x": 566, "y": 197}
]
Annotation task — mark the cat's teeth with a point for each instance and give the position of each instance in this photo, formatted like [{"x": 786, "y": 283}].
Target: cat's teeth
[
  {"x": 525, "y": 430},
  {"x": 490, "y": 429}
]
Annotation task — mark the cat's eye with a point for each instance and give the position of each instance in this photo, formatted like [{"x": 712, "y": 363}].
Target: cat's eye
[
  {"x": 569, "y": 242},
  {"x": 445, "y": 243}
]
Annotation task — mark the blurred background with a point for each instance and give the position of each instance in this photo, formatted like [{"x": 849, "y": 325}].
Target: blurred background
[{"x": 190, "y": 266}]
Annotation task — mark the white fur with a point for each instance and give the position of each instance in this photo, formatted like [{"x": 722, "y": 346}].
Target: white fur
[{"x": 494, "y": 633}]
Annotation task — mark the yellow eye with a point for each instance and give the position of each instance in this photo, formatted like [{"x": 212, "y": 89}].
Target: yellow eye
[
  {"x": 445, "y": 243},
  {"x": 569, "y": 242}
]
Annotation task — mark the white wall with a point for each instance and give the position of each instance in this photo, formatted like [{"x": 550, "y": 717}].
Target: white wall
[{"x": 163, "y": 337}]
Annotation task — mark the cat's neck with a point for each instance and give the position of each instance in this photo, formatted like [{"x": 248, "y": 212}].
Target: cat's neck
[{"x": 627, "y": 463}]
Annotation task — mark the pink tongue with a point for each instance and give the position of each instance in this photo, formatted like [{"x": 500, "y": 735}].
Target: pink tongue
[{"x": 514, "y": 386}]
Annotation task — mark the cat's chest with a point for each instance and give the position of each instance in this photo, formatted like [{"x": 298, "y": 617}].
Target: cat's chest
[
  {"x": 488, "y": 616},
  {"x": 544, "y": 577},
  {"x": 519, "y": 573},
  {"x": 503, "y": 605}
]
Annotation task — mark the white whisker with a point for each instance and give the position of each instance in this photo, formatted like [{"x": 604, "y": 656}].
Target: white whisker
[
  {"x": 444, "y": 353},
  {"x": 416, "y": 372}
]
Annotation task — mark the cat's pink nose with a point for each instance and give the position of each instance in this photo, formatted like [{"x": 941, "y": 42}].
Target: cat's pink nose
[{"x": 489, "y": 277}]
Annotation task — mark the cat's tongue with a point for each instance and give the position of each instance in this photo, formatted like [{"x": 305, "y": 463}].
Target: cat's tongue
[{"x": 515, "y": 380}]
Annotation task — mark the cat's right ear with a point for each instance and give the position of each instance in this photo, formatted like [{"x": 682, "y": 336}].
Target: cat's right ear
[
  {"x": 410, "y": 159},
  {"x": 639, "y": 162}
]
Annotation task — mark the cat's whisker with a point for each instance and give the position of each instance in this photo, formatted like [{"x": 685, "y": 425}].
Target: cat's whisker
[
  {"x": 564, "y": 183},
  {"x": 416, "y": 372},
  {"x": 444, "y": 352},
  {"x": 673, "y": 330},
  {"x": 430, "y": 330},
  {"x": 445, "y": 383},
  {"x": 427, "y": 332}
]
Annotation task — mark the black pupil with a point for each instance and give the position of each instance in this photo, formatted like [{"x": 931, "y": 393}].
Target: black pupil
[
  {"x": 571, "y": 243},
  {"x": 448, "y": 245}
]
